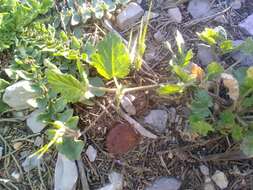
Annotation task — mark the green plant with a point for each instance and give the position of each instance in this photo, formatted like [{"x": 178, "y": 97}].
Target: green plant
[{"x": 14, "y": 16}]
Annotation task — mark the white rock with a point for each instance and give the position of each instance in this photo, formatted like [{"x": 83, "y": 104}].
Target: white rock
[
  {"x": 16, "y": 175},
  {"x": 38, "y": 141},
  {"x": 175, "y": 14},
  {"x": 205, "y": 54},
  {"x": 91, "y": 152},
  {"x": 129, "y": 16},
  {"x": 204, "y": 170},
  {"x": 199, "y": 8},
  {"x": 31, "y": 162},
  {"x": 236, "y": 4},
  {"x": 246, "y": 60},
  {"x": 18, "y": 94},
  {"x": 247, "y": 24},
  {"x": 220, "y": 179},
  {"x": 116, "y": 180},
  {"x": 1, "y": 151},
  {"x": 127, "y": 105},
  {"x": 157, "y": 119},
  {"x": 33, "y": 123},
  {"x": 66, "y": 174},
  {"x": 165, "y": 183},
  {"x": 209, "y": 186}
]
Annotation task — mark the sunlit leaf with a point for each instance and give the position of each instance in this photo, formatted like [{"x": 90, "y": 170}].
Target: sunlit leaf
[
  {"x": 112, "y": 58},
  {"x": 247, "y": 144},
  {"x": 200, "y": 126},
  {"x": 213, "y": 70},
  {"x": 170, "y": 89}
]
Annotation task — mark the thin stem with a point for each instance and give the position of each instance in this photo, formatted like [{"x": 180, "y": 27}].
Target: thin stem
[
  {"x": 109, "y": 90},
  {"x": 141, "y": 88},
  {"x": 116, "y": 82}
]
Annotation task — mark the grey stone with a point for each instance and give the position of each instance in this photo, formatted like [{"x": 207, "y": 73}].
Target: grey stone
[
  {"x": 127, "y": 105},
  {"x": 220, "y": 179},
  {"x": 246, "y": 59},
  {"x": 91, "y": 152},
  {"x": 204, "y": 170},
  {"x": 66, "y": 174},
  {"x": 1, "y": 151},
  {"x": 175, "y": 14},
  {"x": 38, "y": 141},
  {"x": 157, "y": 119},
  {"x": 31, "y": 162},
  {"x": 236, "y": 4},
  {"x": 247, "y": 24},
  {"x": 205, "y": 54},
  {"x": 18, "y": 95},
  {"x": 159, "y": 37},
  {"x": 16, "y": 175},
  {"x": 199, "y": 8},
  {"x": 33, "y": 123},
  {"x": 152, "y": 15},
  {"x": 129, "y": 16},
  {"x": 165, "y": 183}
]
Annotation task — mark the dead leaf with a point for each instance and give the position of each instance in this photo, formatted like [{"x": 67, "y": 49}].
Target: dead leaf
[
  {"x": 197, "y": 72},
  {"x": 232, "y": 85},
  {"x": 121, "y": 139}
]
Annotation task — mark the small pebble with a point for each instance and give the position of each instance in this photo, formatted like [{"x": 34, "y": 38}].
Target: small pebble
[
  {"x": 16, "y": 175},
  {"x": 38, "y": 141},
  {"x": 175, "y": 14},
  {"x": 204, "y": 170},
  {"x": 1, "y": 151},
  {"x": 220, "y": 179},
  {"x": 91, "y": 152},
  {"x": 17, "y": 145},
  {"x": 165, "y": 183}
]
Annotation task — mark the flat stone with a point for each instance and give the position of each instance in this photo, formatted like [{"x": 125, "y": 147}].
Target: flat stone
[
  {"x": 16, "y": 175},
  {"x": 209, "y": 186},
  {"x": 91, "y": 152},
  {"x": 175, "y": 14},
  {"x": 220, "y": 179},
  {"x": 31, "y": 162},
  {"x": 199, "y": 8},
  {"x": 165, "y": 183},
  {"x": 33, "y": 123},
  {"x": 157, "y": 119},
  {"x": 205, "y": 54},
  {"x": 246, "y": 59},
  {"x": 247, "y": 24},
  {"x": 18, "y": 95},
  {"x": 236, "y": 4},
  {"x": 129, "y": 16},
  {"x": 66, "y": 174}
]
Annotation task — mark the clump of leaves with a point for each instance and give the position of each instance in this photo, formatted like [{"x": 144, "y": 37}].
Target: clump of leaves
[{"x": 15, "y": 15}]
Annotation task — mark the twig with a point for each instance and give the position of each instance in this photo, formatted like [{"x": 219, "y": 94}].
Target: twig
[
  {"x": 205, "y": 19},
  {"x": 134, "y": 123},
  {"x": 83, "y": 178}
]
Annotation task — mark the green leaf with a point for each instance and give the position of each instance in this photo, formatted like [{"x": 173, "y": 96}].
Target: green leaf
[
  {"x": 240, "y": 74},
  {"x": 75, "y": 44},
  {"x": 59, "y": 104},
  {"x": 70, "y": 148},
  {"x": 3, "y": 107},
  {"x": 112, "y": 58},
  {"x": 247, "y": 46},
  {"x": 70, "y": 88},
  {"x": 65, "y": 116},
  {"x": 188, "y": 57},
  {"x": 72, "y": 122},
  {"x": 170, "y": 89},
  {"x": 226, "y": 46},
  {"x": 200, "y": 126},
  {"x": 209, "y": 36},
  {"x": 3, "y": 84},
  {"x": 247, "y": 102},
  {"x": 227, "y": 118},
  {"x": 97, "y": 82},
  {"x": 183, "y": 75},
  {"x": 237, "y": 133},
  {"x": 213, "y": 70},
  {"x": 247, "y": 144}
]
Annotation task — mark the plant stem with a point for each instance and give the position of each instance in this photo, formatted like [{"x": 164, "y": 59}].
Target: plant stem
[{"x": 141, "y": 88}]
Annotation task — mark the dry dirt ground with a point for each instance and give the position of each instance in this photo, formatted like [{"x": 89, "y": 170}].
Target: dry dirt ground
[{"x": 173, "y": 154}]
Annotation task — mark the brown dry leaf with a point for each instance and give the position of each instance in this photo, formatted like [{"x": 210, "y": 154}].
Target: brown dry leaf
[
  {"x": 197, "y": 72},
  {"x": 121, "y": 139},
  {"x": 232, "y": 85}
]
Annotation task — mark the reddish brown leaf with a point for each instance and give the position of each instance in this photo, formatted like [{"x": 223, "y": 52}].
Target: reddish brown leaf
[{"x": 121, "y": 139}]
